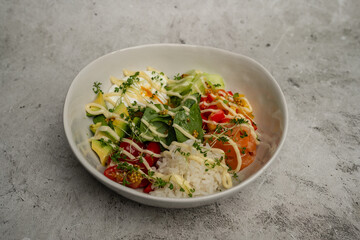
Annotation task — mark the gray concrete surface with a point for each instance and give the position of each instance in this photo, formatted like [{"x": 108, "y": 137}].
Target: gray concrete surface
[{"x": 311, "y": 47}]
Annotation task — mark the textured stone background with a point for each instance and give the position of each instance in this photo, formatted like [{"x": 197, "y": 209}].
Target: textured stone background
[{"x": 312, "y": 48}]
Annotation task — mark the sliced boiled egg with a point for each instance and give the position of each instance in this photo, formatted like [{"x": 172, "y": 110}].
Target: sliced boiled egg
[{"x": 149, "y": 87}]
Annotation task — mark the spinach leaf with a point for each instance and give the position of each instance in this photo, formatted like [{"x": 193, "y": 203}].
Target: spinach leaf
[
  {"x": 171, "y": 136},
  {"x": 190, "y": 122},
  {"x": 157, "y": 121},
  {"x": 189, "y": 102}
]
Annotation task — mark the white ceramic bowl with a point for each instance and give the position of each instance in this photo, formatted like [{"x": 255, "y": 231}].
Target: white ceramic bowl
[{"x": 242, "y": 74}]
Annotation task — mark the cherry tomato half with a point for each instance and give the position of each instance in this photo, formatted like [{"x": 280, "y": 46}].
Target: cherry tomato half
[
  {"x": 133, "y": 179},
  {"x": 217, "y": 116},
  {"x": 210, "y": 97},
  {"x": 148, "y": 188},
  {"x": 155, "y": 148},
  {"x": 129, "y": 148}
]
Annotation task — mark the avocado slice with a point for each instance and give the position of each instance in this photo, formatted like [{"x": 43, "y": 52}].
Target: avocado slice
[
  {"x": 121, "y": 127},
  {"x": 121, "y": 108},
  {"x": 99, "y": 100},
  {"x": 94, "y": 127},
  {"x": 100, "y": 118},
  {"x": 107, "y": 134},
  {"x": 102, "y": 150}
]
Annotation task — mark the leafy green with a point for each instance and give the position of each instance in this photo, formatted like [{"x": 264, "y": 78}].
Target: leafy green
[
  {"x": 163, "y": 122},
  {"x": 193, "y": 81},
  {"x": 189, "y": 102},
  {"x": 157, "y": 120},
  {"x": 190, "y": 122},
  {"x": 174, "y": 101}
]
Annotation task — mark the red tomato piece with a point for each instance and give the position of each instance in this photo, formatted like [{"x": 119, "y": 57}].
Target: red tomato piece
[
  {"x": 133, "y": 180},
  {"x": 144, "y": 183},
  {"x": 155, "y": 148},
  {"x": 210, "y": 97},
  {"x": 148, "y": 189},
  {"x": 217, "y": 116},
  {"x": 230, "y": 92},
  {"x": 222, "y": 92},
  {"x": 111, "y": 172},
  {"x": 203, "y": 116},
  {"x": 202, "y": 106},
  {"x": 254, "y": 125},
  {"x": 212, "y": 107},
  {"x": 225, "y": 120},
  {"x": 129, "y": 148}
]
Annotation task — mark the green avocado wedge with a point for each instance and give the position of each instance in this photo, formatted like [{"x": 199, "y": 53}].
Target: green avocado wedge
[
  {"x": 99, "y": 100},
  {"x": 102, "y": 150},
  {"x": 121, "y": 127}
]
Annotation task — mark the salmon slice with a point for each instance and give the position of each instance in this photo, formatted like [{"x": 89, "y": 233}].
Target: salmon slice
[{"x": 246, "y": 144}]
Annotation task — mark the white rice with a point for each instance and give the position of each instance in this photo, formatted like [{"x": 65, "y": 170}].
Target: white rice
[{"x": 204, "y": 182}]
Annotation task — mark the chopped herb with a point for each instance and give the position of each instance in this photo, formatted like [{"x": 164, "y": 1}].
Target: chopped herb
[
  {"x": 218, "y": 128},
  {"x": 110, "y": 123},
  {"x": 130, "y": 81},
  {"x": 127, "y": 167},
  {"x": 103, "y": 142},
  {"x": 117, "y": 155},
  {"x": 226, "y": 101},
  {"x": 198, "y": 147},
  {"x": 182, "y": 190},
  {"x": 171, "y": 186},
  {"x": 125, "y": 182},
  {"x": 223, "y": 139},
  {"x": 185, "y": 154},
  {"x": 177, "y": 76},
  {"x": 159, "y": 182},
  {"x": 217, "y": 85},
  {"x": 238, "y": 120},
  {"x": 243, "y": 134},
  {"x": 96, "y": 87},
  {"x": 117, "y": 89}
]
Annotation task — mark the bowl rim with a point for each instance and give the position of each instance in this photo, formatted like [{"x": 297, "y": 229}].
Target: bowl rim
[{"x": 113, "y": 185}]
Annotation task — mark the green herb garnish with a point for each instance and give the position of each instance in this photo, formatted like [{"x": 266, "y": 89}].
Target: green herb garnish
[{"x": 96, "y": 87}]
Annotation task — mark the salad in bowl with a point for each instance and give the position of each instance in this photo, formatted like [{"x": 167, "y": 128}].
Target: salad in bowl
[
  {"x": 180, "y": 137},
  {"x": 185, "y": 138}
]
